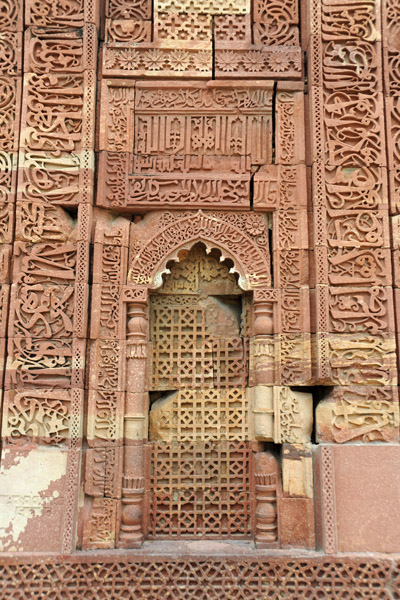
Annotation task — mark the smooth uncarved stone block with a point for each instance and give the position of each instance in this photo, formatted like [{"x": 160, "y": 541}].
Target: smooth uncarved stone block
[{"x": 367, "y": 490}]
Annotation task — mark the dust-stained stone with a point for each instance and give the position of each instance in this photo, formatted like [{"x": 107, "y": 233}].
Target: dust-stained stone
[
  {"x": 32, "y": 483},
  {"x": 234, "y": 380},
  {"x": 297, "y": 471},
  {"x": 367, "y": 484}
]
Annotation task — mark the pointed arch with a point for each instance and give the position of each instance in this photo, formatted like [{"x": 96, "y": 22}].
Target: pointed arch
[{"x": 240, "y": 237}]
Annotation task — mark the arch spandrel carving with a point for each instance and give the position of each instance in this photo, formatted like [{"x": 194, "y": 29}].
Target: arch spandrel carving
[{"x": 240, "y": 237}]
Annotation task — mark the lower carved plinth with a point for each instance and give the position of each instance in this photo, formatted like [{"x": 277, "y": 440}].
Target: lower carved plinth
[{"x": 182, "y": 575}]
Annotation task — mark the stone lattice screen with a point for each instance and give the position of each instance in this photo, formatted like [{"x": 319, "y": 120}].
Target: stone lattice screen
[{"x": 200, "y": 242}]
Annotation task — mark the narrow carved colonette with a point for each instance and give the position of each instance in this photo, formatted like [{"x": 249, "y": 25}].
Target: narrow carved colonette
[{"x": 200, "y": 299}]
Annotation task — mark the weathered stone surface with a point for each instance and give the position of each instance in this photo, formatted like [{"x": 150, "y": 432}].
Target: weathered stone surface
[
  {"x": 33, "y": 499},
  {"x": 367, "y": 521},
  {"x": 202, "y": 343}
]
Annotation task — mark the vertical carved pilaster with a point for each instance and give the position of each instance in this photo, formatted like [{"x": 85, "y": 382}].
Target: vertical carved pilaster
[
  {"x": 131, "y": 533},
  {"x": 262, "y": 345},
  {"x": 267, "y": 488},
  {"x": 263, "y": 306}
]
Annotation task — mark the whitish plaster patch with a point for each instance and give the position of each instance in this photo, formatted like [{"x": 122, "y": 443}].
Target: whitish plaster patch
[{"x": 21, "y": 489}]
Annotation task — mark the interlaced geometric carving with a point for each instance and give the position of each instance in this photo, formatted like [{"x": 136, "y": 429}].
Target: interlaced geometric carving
[
  {"x": 201, "y": 134},
  {"x": 206, "y": 414},
  {"x": 185, "y": 355},
  {"x": 186, "y": 350},
  {"x": 182, "y": 351},
  {"x": 200, "y": 458},
  {"x": 199, "y": 578},
  {"x": 200, "y": 490}
]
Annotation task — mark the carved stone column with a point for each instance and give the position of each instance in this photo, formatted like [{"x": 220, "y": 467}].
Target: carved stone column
[
  {"x": 131, "y": 533},
  {"x": 263, "y": 306},
  {"x": 262, "y": 346},
  {"x": 267, "y": 489}
]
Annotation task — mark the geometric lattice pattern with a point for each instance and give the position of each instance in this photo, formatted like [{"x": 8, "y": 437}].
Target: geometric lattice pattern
[
  {"x": 208, "y": 414},
  {"x": 185, "y": 355},
  {"x": 123, "y": 577},
  {"x": 182, "y": 352},
  {"x": 200, "y": 490},
  {"x": 200, "y": 481}
]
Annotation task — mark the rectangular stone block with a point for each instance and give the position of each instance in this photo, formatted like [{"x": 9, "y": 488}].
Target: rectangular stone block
[
  {"x": 60, "y": 51},
  {"x": 103, "y": 471},
  {"x": 263, "y": 369},
  {"x": 42, "y": 417},
  {"x": 8, "y": 175},
  {"x": 292, "y": 268},
  {"x": 100, "y": 524},
  {"x": 125, "y": 9},
  {"x": 178, "y": 29},
  {"x": 45, "y": 363},
  {"x": 263, "y": 34},
  {"x": 261, "y": 12},
  {"x": 293, "y": 311},
  {"x": 173, "y": 181},
  {"x": 293, "y": 359},
  {"x": 358, "y": 414},
  {"x": 297, "y": 464},
  {"x": 108, "y": 358},
  {"x": 363, "y": 187},
  {"x": 361, "y": 359},
  {"x": 367, "y": 522},
  {"x": 105, "y": 417},
  {"x": 296, "y": 523},
  {"x": 337, "y": 21},
  {"x": 333, "y": 76},
  {"x": 42, "y": 223},
  {"x": 117, "y": 138},
  {"x": 44, "y": 264},
  {"x": 280, "y": 187},
  {"x": 360, "y": 229},
  {"x": 257, "y": 60},
  {"x": 12, "y": 18},
  {"x": 53, "y": 317},
  {"x": 108, "y": 312},
  {"x": 338, "y": 115},
  {"x": 65, "y": 179},
  {"x": 110, "y": 264},
  {"x": 11, "y": 56},
  {"x": 290, "y": 230},
  {"x": 128, "y": 30},
  {"x": 358, "y": 266},
  {"x": 70, "y": 128},
  {"x": 111, "y": 231},
  {"x": 48, "y": 15},
  {"x": 232, "y": 31},
  {"x": 151, "y": 58},
  {"x": 360, "y": 309},
  {"x": 290, "y": 127},
  {"x": 34, "y": 499},
  {"x": 10, "y": 112}
]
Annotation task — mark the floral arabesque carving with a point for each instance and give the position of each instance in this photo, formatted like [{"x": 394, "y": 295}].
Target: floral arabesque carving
[{"x": 242, "y": 237}]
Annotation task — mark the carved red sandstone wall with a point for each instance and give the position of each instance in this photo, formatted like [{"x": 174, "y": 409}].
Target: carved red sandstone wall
[{"x": 204, "y": 130}]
